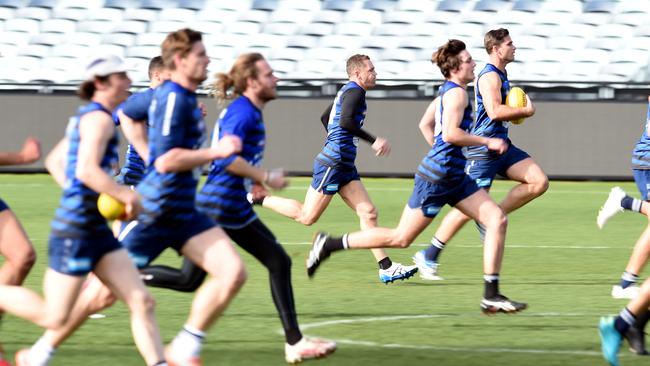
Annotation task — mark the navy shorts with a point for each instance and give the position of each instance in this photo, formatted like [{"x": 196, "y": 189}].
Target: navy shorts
[
  {"x": 642, "y": 180},
  {"x": 329, "y": 180},
  {"x": 431, "y": 197},
  {"x": 79, "y": 256},
  {"x": 145, "y": 242},
  {"x": 484, "y": 171},
  {"x": 3, "y": 205}
]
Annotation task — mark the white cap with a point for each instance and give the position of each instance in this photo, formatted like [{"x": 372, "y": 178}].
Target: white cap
[{"x": 104, "y": 66}]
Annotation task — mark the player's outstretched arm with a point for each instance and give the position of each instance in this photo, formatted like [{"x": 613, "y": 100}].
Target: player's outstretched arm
[
  {"x": 30, "y": 152},
  {"x": 180, "y": 159}
]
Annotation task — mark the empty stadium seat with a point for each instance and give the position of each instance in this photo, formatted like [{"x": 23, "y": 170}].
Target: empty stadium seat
[{"x": 395, "y": 33}]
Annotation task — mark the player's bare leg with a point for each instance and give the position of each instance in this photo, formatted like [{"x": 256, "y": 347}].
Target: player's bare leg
[{"x": 355, "y": 195}]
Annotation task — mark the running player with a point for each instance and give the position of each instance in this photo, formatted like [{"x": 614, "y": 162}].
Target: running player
[
  {"x": 483, "y": 165},
  {"x": 80, "y": 241},
  {"x": 334, "y": 168},
  {"x": 439, "y": 180},
  {"x": 224, "y": 198},
  {"x": 15, "y": 246},
  {"x": 612, "y": 330},
  {"x": 132, "y": 117},
  {"x": 169, "y": 217},
  {"x": 618, "y": 201}
]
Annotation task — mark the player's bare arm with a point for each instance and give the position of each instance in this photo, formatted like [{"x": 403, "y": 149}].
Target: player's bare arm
[{"x": 490, "y": 87}]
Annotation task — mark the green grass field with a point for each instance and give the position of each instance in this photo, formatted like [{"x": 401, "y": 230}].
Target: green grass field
[{"x": 556, "y": 260}]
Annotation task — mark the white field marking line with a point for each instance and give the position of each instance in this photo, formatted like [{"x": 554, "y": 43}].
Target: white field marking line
[
  {"x": 507, "y": 246},
  {"x": 24, "y": 185},
  {"x": 451, "y": 349}
]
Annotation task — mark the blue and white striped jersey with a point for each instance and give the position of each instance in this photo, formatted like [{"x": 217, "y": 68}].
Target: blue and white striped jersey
[
  {"x": 77, "y": 215},
  {"x": 340, "y": 148},
  {"x": 223, "y": 197},
  {"x": 641, "y": 154},
  {"x": 136, "y": 108},
  {"x": 484, "y": 126},
  {"x": 445, "y": 162},
  {"x": 175, "y": 121}
]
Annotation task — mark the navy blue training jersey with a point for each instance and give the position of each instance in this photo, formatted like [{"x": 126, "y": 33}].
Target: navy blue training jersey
[
  {"x": 445, "y": 162},
  {"x": 77, "y": 215},
  {"x": 136, "y": 108},
  {"x": 340, "y": 148},
  {"x": 175, "y": 122},
  {"x": 484, "y": 126},
  {"x": 641, "y": 154},
  {"x": 223, "y": 197}
]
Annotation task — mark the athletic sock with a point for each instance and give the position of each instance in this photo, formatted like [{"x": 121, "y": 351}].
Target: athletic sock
[
  {"x": 41, "y": 352},
  {"x": 632, "y": 204},
  {"x": 624, "y": 321},
  {"x": 333, "y": 244},
  {"x": 433, "y": 251},
  {"x": 188, "y": 342},
  {"x": 491, "y": 282},
  {"x": 161, "y": 363},
  {"x": 258, "y": 201},
  {"x": 385, "y": 263},
  {"x": 628, "y": 279},
  {"x": 642, "y": 320}
]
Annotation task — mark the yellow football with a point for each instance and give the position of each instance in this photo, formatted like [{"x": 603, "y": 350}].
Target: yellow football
[
  {"x": 516, "y": 98},
  {"x": 110, "y": 208}
]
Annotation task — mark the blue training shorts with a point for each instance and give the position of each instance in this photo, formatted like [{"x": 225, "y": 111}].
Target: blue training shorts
[
  {"x": 431, "y": 197},
  {"x": 642, "y": 180},
  {"x": 145, "y": 242},
  {"x": 329, "y": 181},
  {"x": 484, "y": 171},
  {"x": 3, "y": 205},
  {"x": 79, "y": 256}
]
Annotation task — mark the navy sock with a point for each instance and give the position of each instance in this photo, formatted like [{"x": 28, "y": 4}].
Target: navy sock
[
  {"x": 491, "y": 282},
  {"x": 632, "y": 204},
  {"x": 628, "y": 279},
  {"x": 433, "y": 251},
  {"x": 385, "y": 263},
  {"x": 624, "y": 321},
  {"x": 258, "y": 201},
  {"x": 333, "y": 244}
]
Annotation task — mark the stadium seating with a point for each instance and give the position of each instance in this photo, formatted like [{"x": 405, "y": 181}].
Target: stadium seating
[{"x": 564, "y": 41}]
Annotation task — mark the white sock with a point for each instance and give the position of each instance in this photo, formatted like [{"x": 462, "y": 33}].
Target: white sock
[
  {"x": 41, "y": 353},
  {"x": 188, "y": 342}
]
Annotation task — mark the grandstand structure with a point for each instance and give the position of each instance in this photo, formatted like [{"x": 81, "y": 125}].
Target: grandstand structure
[{"x": 570, "y": 43}]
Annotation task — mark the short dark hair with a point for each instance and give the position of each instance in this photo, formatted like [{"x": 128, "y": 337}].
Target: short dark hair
[
  {"x": 494, "y": 38},
  {"x": 156, "y": 63},
  {"x": 447, "y": 56},
  {"x": 355, "y": 62}
]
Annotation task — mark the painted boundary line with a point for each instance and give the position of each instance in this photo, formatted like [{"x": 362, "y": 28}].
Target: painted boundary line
[
  {"x": 447, "y": 349},
  {"x": 508, "y": 246}
]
